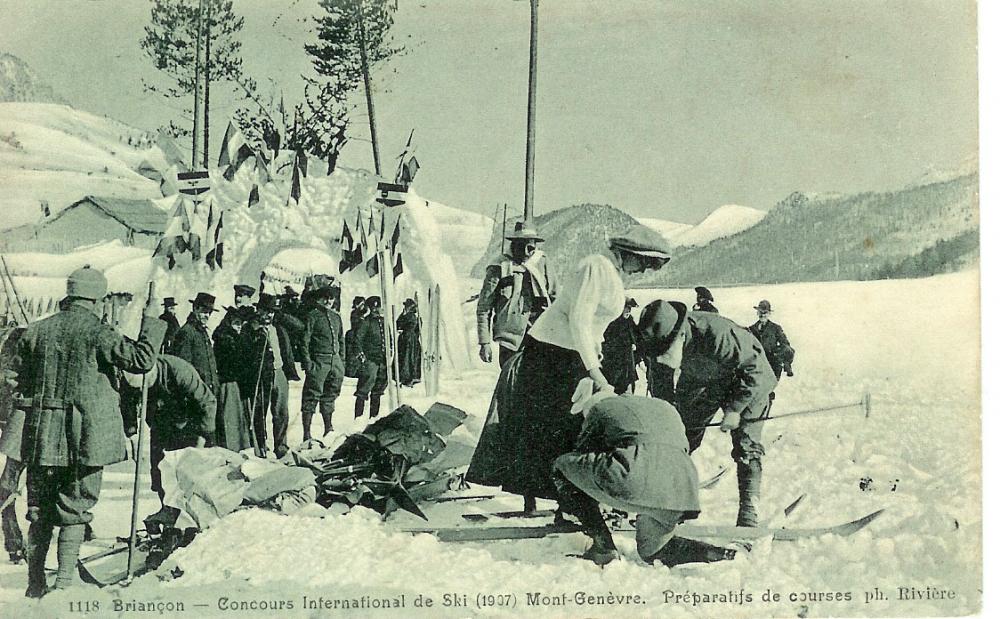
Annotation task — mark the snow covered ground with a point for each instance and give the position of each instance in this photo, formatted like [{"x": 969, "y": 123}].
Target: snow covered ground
[{"x": 914, "y": 344}]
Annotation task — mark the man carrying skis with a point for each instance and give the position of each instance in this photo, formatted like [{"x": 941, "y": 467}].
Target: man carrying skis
[
  {"x": 721, "y": 366},
  {"x": 73, "y": 424},
  {"x": 323, "y": 354}
]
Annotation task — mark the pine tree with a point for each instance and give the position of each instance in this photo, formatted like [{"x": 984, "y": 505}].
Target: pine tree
[{"x": 171, "y": 39}]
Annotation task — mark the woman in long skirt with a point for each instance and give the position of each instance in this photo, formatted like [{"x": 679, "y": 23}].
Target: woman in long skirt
[{"x": 562, "y": 347}]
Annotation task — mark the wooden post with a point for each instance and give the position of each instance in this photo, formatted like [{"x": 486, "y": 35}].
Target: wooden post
[
  {"x": 529, "y": 159},
  {"x": 138, "y": 461},
  {"x": 362, "y": 45},
  {"x": 196, "y": 129},
  {"x": 389, "y": 325},
  {"x": 208, "y": 82}
]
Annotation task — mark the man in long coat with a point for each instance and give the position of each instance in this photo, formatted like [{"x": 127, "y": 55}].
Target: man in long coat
[
  {"x": 193, "y": 344},
  {"x": 169, "y": 316},
  {"x": 722, "y": 366},
  {"x": 73, "y": 424},
  {"x": 323, "y": 351},
  {"x": 232, "y": 421},
  {"x": 516, "y": 290},
  {"x": 618, "y": 350},
  {"x": 410, "y": 351}
]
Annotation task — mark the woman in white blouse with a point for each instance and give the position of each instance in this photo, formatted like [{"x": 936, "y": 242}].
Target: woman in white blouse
[{"x": 562, "y": 347}]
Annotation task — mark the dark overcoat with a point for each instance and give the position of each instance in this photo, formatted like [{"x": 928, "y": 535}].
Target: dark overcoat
[
  {"x": 410, "y": 351},
  {"x": 779, "y": 351},
  {"x": 618, "y": 350},
  {"x": 193, "y": 344}
]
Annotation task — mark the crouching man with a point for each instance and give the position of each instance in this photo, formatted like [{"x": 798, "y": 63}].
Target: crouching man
[
  {"x": 73, "y": 425},
  {"x": 722, "y": 366},
  {"x": 632, "y": 455}
]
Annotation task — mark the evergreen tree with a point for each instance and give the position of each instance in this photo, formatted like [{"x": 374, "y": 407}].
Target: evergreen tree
[{"x": 171, "y": 41}]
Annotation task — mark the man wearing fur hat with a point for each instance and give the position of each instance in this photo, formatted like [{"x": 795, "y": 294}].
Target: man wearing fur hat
[
  {"x": 72, "y": 423},
  {"x": 516, "y": 290},
  {"x": 721, "y": 366}
]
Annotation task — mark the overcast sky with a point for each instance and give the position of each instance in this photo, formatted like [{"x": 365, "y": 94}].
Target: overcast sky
[{"x": 660, "y": 108}]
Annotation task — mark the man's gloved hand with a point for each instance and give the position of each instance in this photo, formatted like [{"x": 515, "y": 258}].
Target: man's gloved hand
[
  {"x": 730, "y": 421},
  {"x": 486, "y": 353},
  {"x": 788, "y": 371}
]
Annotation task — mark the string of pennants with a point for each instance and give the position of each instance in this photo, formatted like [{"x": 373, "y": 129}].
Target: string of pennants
[{"x": 196, "y": 224}]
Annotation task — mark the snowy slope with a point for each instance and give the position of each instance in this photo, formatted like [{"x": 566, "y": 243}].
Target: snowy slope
[
  {"x": 465, "y": 234},
  {"x": 920, "y": 447},
  {"x": 54, "y": 153},
  {"x": 722, "y": 222},
  {"x": 669, "y": 230}
]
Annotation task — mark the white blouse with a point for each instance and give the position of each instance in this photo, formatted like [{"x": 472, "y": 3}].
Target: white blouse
[{"x": 590, "y": 300}]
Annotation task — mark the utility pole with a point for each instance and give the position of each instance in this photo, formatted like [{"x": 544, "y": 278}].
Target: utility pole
[
  {"x": 208, "y": 83},
  {"x": 529, "y": 159},
  {"x": 196, "y": 130},
  {"x": 368, "y": 87}
]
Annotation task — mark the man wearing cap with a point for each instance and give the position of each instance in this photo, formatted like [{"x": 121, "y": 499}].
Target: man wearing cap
[
  {"x": 72, "y": 422},
  {"x": 721, "y": 366},
  {"x": 323, "y": 351},
  {"x": 779, "y": 351},
  {"x": 618, "y": 350},
  {"x": 242, "y": 297},
  {"x": 704, "y": 300},
  {"x": 193, "y": 344},
  {"x": 267, "y": 386},
  {"x": 169, "y": 316},
  {"x": 516, "y": 289},
  {"x": 373, "y": 375}
]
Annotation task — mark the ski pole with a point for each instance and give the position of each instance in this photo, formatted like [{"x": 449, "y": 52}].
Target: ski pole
[
  {"x": 138, "y": 460},
  {"x": 865, "y": 403}
]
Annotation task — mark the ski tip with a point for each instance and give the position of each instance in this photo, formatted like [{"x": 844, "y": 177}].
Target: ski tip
[
  {"x": 860, "y": 523},
  {"x": 794, "y": 504}
]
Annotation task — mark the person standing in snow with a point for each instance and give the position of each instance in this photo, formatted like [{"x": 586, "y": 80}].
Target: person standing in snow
[
  {"x": 352, "y": 351},
  {"x": 193, "y": 344},
  {"x": 169, "y": 316},
  {"x": 721, "y": 366},
  {"x": 632, "y": 455},
  {"x": 704, "y": 300},
  {"x": 373, "y": 375},
  {"x": 410, "y": 352},
  {"x": 180, "y": 411},
  {"x": 242, "y": 297},
  {"x": 267, "y": 386},
  {"x": 73, "y": 428},
  {"x": 516, "y": 289},
  {"x": 618, "y": 351},
  {"x": 323, "y": 351},
  {"x": 232, "y": 422},
  {"x": 779, "y": 351},
  {"x": 562, "y": 347}
]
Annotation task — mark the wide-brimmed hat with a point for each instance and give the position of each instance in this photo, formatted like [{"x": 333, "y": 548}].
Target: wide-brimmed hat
[
  {"x": 703, "y": 293},
  {"x": 204, "y": 300},
  {"x": 643, "y": 241},
  {"x": 659, "y": 324},
  {"x": 242, "y": 290},
  {"x": 169, "y": 302},
  {"x": 267, "y": 303},
  {"x": 87, "y": 283},
  {"x": 763, "y": 306},
  {"x": 523, "y": 230},
  {"x": 373, "y": 302}
]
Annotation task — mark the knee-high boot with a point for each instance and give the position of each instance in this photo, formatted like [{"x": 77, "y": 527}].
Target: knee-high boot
[
  {"x": 376, "y": 401},
  {"x": 359, "y": 406},
  {"x": 588, "y": 511},
  {"x": 39, "y": 538},
  {"x": 70, "y": 538},
  {"x": 326, "y": 412},
  {"x": 748, "y": 477},
  {"x": 307, "y": 417}
]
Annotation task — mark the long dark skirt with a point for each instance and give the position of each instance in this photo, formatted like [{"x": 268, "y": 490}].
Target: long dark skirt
[
  {"x": 539, "y": 427},
  {"x": 232, "y": 420}
]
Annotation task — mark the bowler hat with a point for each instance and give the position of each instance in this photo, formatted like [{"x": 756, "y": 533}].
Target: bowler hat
[
  {"x": 203, "y": 299},
  {"x": 763, "y": 306},
  {"x": 87, "y": 283},
  {"x": 643, "y": 241},
  {"x": 703, "y": 293},
  {"x": 242, "y": 290},
  {"x": 267, "y": 303},
  {"x": 169, "y": 302},
  {"x": 524, "y": 230}
]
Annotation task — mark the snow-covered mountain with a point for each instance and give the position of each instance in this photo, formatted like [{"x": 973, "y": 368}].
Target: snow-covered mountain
[
  {"x": 722, "y": 222},
  {"x": 669, "y": 230},
  {"x": 965, "y": 167},
  {"x": 55, "y": 154},
  {"x": 18, "y": 82}
]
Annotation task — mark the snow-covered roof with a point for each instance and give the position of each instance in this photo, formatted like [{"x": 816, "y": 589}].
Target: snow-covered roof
[{"x": 139, "y": 215}]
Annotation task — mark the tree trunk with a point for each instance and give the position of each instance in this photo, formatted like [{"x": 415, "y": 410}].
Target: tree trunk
[
  {"x": 208, "y": 83},
  {"x": 368, "y": 88},
  {"x": 195, "y": 130}
]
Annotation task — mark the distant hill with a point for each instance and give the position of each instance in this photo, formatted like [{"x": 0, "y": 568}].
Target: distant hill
[
  {"x": 722, "y": 222},
  {"x": 916, "y": 231},
  {"x": 570, "y": 234},
  {"x": 19, "y": 83},
  {"x": 54, "y": 154}
]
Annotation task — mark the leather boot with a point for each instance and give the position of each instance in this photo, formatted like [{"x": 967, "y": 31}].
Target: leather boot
[
  {"x": 680, "y": 550},
  {"x": 39, "y": 538},
  {"x": 70, "y": 538},
  {"x": 376, "y": 401},
  {"x": 359, "y": 406},
  {"x": 588, "y": 511},
  {"x": 326, "y": 412},
  {"x": 307, "y": 417},
  {"x": 748, "y": 478}
]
